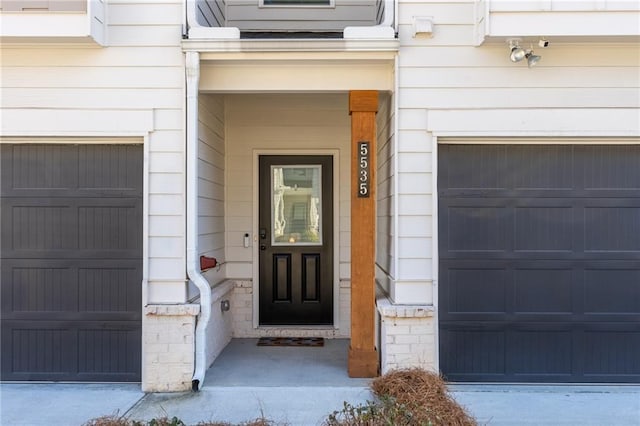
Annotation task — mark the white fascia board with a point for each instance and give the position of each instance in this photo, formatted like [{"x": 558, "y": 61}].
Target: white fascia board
[
  {"x": 291, "y": 45},
  {"x": 564, "y": 24},
  {"x": 49, "y": 27},
  {"x": 377, "y": 32},
  {"x": 214, "y": 33},
  {"x": 22, "y": 24}
]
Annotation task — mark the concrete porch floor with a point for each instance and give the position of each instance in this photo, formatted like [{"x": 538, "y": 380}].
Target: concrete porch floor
[{"x": 243, "y": 363}]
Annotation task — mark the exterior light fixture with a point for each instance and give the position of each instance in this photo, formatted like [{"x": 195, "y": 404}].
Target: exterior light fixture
[
  {"x": 532, "y": 59},
  {"x": 517, "y": 52}
]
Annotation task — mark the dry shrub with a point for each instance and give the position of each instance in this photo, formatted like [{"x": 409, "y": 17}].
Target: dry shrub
[
  {"x": 425, "y": 395},
  {"x": 112, "y": 420},
  {"x": 257, "y": 422}
]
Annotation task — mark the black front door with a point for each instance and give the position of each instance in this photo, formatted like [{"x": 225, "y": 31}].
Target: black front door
[{"x": 296, "y": 239}]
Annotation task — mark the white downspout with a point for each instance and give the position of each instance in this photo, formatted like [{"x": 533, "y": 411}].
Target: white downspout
[{"x": 193, "y": 267}]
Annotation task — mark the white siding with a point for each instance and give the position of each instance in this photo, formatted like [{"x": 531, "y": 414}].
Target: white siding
[
  {"x": 448, "y": 87},
  {"x": 132, "y": 87},
  {"x": 386, "y": 177},
  {"x": 211, "y": 191}
]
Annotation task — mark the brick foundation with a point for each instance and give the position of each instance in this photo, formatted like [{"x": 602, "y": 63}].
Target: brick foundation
[
  {"x": 407, "y": 336},
  {"x": 168, "y": 347}
]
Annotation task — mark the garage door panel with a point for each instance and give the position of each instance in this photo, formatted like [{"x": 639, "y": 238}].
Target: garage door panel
[
  {"x": 54, "y": 350},
  {"x": 56, "y": 227},
  {"x": 112, "y": 289},
  {"x": 39, "y": 170},
  {"x": 481, "y": 169},
  {"x": 110, "y": 227},
  {"x": 543, "y": 167},
  {"x": 37, "y": 350},
  {"x": 468, "y": 288},
  {"x": 110, "y": 168},
  {"x": 32, "y": 169},
  {"x": 31, "y": 289},
  {"x": 487, "y": 224},
  {"x": 37, "y": 226},
  {"x": 543, "y": 228},
  {"x": 473, "y": 351},
  {"x": 612, "y": 291},
  {"x": 612, "y": 352},
  {"x": 540, "y": 350},
  {"x": 561, "y": 224},
  {"x": 111, "y": 350},
  {"x": 612, "y": 229},
  {"x": 71, "y": 289},
  {"x": 71, "y": 265},
  {"x": 543, "y": 291},
  {"x": 611, "y": 167}
]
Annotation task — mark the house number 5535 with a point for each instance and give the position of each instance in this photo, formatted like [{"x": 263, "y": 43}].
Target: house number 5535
[{"x": 363, "y": 170}]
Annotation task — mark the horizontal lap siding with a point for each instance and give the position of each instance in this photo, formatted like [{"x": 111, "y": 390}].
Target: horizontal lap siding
[
  {"x": 140, "y": 70},
  {"x": 386, "y": 177},
  {"x": 211, "y": 170},
  {"x": 446, "y": 77}
]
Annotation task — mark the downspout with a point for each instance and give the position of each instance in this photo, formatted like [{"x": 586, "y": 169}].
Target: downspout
[{"x": 192, "y": 63}]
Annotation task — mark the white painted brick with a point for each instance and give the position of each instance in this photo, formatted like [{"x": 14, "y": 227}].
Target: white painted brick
[
  {"x": 398, "y": 329},
  {"x": 398, "y": 349},
  {"x": 427, "y": 339},
  {"x": 156, "y": 348},
  {"x": 406, "y": 338},
  {"x": 421, "y": 330}
]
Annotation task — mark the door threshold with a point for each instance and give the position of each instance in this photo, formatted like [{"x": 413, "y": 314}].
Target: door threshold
[
  {"x": 326, "y": 331},
  {"x": 297, "y": 327}
]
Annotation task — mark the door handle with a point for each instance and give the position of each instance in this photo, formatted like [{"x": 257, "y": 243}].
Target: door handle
[{"x": 263, "y": 247}]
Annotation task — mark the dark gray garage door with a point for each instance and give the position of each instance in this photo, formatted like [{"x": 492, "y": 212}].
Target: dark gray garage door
[
  {"x": 71, "y": 262},
  {"x": 539, "y": 263}
]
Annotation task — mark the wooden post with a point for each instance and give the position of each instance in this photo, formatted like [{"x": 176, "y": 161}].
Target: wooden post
[{"x": 363, "y": 357}]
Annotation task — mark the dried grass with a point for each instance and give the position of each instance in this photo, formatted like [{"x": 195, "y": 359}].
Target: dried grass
[
  {"x": 425, "y": 394},
  {"x": 112, "y": 420}
]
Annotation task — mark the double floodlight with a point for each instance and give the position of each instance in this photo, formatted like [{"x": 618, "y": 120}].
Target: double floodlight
[{"x": 517, "y": 53}]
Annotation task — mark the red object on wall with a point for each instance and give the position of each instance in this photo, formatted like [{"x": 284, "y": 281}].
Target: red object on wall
[{"x": 207, "y": 263}]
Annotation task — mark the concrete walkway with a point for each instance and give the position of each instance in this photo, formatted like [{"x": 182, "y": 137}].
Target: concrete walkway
[
  {"x": 301, "y": 386},
  {"x": 511, "y": 405}
]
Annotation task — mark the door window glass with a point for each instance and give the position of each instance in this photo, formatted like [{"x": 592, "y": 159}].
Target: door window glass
[{"x": 296, "y": 205}]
